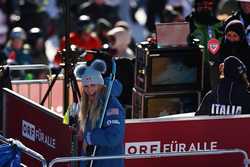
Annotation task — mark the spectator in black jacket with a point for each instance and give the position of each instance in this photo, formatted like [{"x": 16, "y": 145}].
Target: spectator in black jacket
[
  {"x": 119, "y": 39},
  {"x": 230, "y": 96},
  {"x": 243, "y": 15},
  {"x": 235, "y": 43}
]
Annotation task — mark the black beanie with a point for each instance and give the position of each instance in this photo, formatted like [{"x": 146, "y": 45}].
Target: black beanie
[
  {"x": 234, "y": 68},
  {"x": 236, "y": 26}
]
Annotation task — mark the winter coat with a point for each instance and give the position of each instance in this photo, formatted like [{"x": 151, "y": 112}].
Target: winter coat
[
  {"x": 228, "y": 98},
  {"x": 238, "y": 50},
  {"x": 110, "y": 138}
]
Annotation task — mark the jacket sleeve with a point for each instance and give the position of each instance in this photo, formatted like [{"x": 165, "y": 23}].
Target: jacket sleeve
[
  {"x": 112, "y": 131},
  {"x": 204, "y": 108}
]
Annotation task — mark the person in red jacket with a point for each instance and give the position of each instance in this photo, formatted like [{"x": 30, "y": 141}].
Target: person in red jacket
[{"x": 83, "y": 38}]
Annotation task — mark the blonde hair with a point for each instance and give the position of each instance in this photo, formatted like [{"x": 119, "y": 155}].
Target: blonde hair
[{"x": 91, "y": 109}]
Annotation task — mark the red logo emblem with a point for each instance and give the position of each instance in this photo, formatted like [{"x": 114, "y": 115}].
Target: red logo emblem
[{"x": 213, "y": 46}]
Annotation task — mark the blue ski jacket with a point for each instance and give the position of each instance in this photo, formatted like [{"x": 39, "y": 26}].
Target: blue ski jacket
[{"x": 109, "y": 139}]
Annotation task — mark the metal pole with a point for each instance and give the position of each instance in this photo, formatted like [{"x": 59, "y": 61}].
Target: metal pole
[
  {"x": 66, "y": 55},
  {"x": 50, "y": 88},
  {"x": 157, "y": 155},
  {"x": 29, "y": 67},
  {"x": 110, "y": 85}
]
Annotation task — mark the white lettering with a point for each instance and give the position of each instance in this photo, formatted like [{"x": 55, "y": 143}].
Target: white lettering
[
  {"x": 182, "y": 147},
  {"x": 30, "y": 132},
  {"x": 233, "y": 110},
  {"x": 199, "y": 146},
  {"x": 228, "y": 110},
  {"x": 48, "y": 140},
  {"x": 223, "y": 110},
  {"x": 192, "y": 148},
  {"x": 217, "y": 109},
  {"x": 238, "y": 109},
  {"x": 212, "y": 109},
  {"x": 173, "y": 146},
  {"x": 213, "y": 145}
]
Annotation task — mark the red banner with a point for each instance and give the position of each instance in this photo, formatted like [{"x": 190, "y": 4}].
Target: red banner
[
  {"x": 43, "y": 131},
  {"x": 36, "y": 127},
  {"x": 187, "y": 135}
]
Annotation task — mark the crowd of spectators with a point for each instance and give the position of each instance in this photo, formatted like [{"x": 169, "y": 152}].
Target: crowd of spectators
[
  {"x": 41, "y": 25},
  {"x": 33, "y": 31},
  {"x": 46, "y": 18}
]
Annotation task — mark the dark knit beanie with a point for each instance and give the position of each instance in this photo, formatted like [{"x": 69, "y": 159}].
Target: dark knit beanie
[
  {"x": 236, "y": 26},
  {"x": 234, "y": 67}
]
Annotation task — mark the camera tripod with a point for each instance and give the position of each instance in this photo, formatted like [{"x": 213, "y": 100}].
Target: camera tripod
[
  {"x": 70, "y": 58},
  {"x": 70, "y": 82}
]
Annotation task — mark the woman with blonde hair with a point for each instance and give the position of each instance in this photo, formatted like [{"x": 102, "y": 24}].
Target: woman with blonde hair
[{"x": 109, "y": 137}]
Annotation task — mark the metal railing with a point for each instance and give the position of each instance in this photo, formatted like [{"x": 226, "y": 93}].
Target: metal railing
[
  {"x": 29, "y": 67},
  {"x": 17, "y": 84},
  {"x": 157, "y": 155},
  {"x": 36, "y": 89},
  {"x": 25, "y": 149}
]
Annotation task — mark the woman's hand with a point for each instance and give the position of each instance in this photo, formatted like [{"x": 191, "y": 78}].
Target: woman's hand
[{"x": 84, "y": 146}]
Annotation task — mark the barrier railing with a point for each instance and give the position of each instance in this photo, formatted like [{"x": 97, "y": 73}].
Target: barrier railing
[
  {"x": 29, "y": 67},
  {"x": 25, "y": 149},
  {"x": 25, "y": 88},
  {"x": 157, "y": 155},
  {"x": 33, "y": 89}
]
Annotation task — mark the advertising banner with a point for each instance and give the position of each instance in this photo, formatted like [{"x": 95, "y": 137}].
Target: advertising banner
[
  {"x": 186, "y": 135},
  {"x": 36, "y": 127},
  {"x": 43, "y": 131}
]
